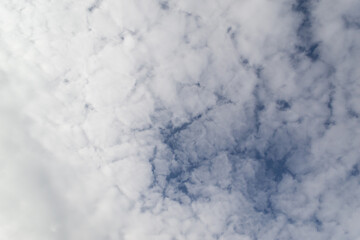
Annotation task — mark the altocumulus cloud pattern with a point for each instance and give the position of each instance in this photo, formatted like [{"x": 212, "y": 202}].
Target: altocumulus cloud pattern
[{"x": 179, "y": 119}]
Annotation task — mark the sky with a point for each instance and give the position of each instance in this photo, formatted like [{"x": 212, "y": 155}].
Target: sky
[{"x": 179, "y": 120}]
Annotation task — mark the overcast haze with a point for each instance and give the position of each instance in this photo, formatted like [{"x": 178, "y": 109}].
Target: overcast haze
[{"x": 179, "y": 120}]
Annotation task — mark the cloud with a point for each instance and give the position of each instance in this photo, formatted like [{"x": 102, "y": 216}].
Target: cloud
[{"x": 179, "y": 120}]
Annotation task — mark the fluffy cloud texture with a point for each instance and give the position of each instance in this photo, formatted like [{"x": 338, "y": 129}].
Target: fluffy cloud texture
[{"x": 149, "y": 119}]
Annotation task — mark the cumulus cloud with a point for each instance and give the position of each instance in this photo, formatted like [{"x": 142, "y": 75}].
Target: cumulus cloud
[{"x": 179, "y": 119}]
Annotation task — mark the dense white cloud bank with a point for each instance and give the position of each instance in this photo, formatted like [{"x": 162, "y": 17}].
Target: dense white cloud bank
[{"x": 148, "y": 119}]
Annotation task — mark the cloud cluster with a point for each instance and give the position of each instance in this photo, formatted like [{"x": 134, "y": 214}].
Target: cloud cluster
[{"x": 179, "y": 119}]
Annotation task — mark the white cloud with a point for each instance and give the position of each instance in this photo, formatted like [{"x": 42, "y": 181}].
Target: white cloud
[{"x": 179, "y": 120}]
